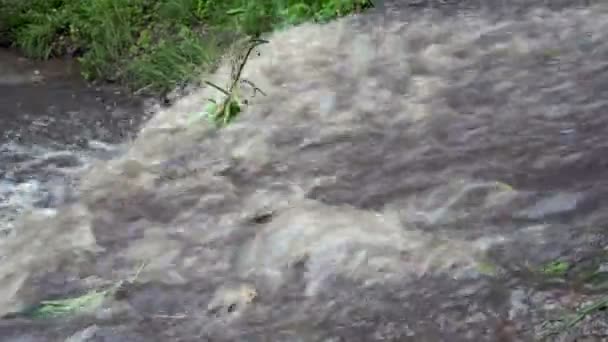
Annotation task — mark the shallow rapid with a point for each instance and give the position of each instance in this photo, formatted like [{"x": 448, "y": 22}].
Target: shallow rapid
[{"x": 426, "y": 173}]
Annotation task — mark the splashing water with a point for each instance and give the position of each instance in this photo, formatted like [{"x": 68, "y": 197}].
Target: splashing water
[
  {"x": 41, "y": 178},
  {"x": 405, "y": 178}
]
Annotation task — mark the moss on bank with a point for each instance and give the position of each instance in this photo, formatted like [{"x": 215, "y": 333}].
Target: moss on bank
[{"x": 150, "y": 45}]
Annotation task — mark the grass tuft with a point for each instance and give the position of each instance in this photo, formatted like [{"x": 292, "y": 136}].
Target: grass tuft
[
  {"x": 227, "y": 110},
  {"x": 48, "y": 309},
  {"x": 85, "y": 303},
  {"x": 555, "y": 268}
]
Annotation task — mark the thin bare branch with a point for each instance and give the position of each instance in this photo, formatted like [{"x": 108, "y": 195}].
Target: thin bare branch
[{"x": 218, "y": 88}]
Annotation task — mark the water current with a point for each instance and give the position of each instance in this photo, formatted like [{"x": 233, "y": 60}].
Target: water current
[
  {"x": 53, "y": 126},
  {"x": 432, "y": 172}
]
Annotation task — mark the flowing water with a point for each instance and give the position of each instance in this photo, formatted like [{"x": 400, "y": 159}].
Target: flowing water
[
  {"x": 52, "y": 127},
  {"x": 433, "y": 172}
]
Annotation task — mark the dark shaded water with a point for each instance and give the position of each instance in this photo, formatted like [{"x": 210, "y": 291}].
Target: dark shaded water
[
  {"x": 47, "y": 103},
  {"x": 408, "y": 177},
  {"x": 53, "y": 125}
]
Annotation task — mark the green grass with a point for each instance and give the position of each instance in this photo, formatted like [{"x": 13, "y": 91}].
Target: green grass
[
  {"x": 232, "y": 104},
  {"x": 555, "y": 268},
  {"x": 86, "y": 303},
  {"x": 151, "y": 45}
]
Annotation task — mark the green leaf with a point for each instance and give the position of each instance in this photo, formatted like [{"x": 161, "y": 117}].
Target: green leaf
[{"x": 236, "y": 11}]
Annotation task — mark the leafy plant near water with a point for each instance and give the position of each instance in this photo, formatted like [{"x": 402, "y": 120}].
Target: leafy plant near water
[
  {"x": 224, "y": 112},
  {"x": 151, "y": 45},
  {"x": 69, "y": 306}
]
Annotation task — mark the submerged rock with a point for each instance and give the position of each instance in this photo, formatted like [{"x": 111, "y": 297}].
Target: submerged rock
[{"x": 371, "y": 195}]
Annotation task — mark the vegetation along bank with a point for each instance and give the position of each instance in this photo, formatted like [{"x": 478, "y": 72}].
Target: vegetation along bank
[{"x": 150, "y": 46}]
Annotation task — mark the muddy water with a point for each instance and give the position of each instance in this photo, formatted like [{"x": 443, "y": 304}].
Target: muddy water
[
  {"x": 408, "y": 177},
  {"x": 52, "y": 127}
]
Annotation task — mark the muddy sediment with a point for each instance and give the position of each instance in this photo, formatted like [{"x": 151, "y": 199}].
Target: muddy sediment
[{"x": 405, "y": 177}]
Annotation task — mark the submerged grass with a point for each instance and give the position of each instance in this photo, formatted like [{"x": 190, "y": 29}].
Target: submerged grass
[
  {"x": 555, "y": 268},
  {"x": 151, "y": 45},
  {"x": 571, "y": 321},
  {"x": 85, "y": 303},
  {"x": 224, "y": 112}
]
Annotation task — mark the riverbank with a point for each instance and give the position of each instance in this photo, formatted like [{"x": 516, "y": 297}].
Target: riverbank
[{"x": 150, "y": 46}]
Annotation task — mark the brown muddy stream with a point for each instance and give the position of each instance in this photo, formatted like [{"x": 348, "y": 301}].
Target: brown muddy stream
[
  {"x": 52, "y": 126},
  {"x": 430, "y": 173}
]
